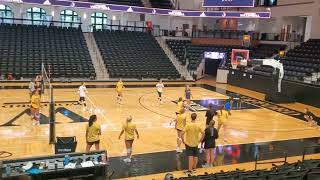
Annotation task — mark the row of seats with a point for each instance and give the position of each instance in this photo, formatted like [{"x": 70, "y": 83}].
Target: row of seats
[
  {"x": 302, "y": 170},
  {"x": 185, "y": 51},
  {"x": 134, "y": 55},
  {"x": 300, "y": 62},
  {"x": 119, "y": 2},
  {"x": 24, "y": 48},
  {"x": 225, "y": 34}
]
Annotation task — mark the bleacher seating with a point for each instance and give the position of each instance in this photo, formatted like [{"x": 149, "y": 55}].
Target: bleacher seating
[
  {"x": 178, "y": 47},
  {"x": 303, "y": 60},
  {"x": 163, "y": 4},
  {"x": 187, "y": 52},
  {"x": 302, "y": 170},
  {"x": 24, "y": 47},
  {"x": 120, "y": 2},
  {"x": 134, "y": 55},
  {"x": 265, "y": 50}
]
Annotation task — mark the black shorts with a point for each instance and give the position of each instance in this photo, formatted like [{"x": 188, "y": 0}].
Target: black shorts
[
  {"x": 192, "y": 151},
  {"x": 82, "y": 99},
  {"x": 159, "y": 93},
  {"x": 92, "y": 143}
]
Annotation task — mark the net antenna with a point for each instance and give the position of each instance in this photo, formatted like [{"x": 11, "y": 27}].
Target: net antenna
[{"x": 48, "y": 92}]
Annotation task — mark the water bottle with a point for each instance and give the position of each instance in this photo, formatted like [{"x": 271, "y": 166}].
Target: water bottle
[
  {"x": 66, "y": 160},
  {"x": 8, "y": 170},
  {"x": 84, "y": 157},
  {"x": 95, "y": 158}
]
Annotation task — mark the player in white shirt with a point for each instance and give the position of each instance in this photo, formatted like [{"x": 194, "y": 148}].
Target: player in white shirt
[
  {"x": 82, "y": 92},
  {"x": 160, "y": 87}
]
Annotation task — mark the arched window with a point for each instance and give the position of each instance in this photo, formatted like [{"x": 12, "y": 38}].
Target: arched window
[
  {"x": 5, "y": 12},
  {"x": 36, "y": 15},
  {"x": 69, "y": 18},
  {"x": 98, "y": 20}
]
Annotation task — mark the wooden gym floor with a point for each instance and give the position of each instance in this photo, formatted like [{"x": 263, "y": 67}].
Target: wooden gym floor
[{"x": 156, "y": 135}]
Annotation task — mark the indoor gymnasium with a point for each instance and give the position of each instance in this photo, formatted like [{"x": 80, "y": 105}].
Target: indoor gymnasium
[{"x": 160, "y": 89}]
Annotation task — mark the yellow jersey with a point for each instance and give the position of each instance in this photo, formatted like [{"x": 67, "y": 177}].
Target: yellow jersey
[
  {"x": 192, "y": 131},
  {"x": 129, "y": 129},
  {"x": 120, "y": 86},
  {"x": 35, "y": 101},
  {"x": 93, "y": 132},
  {"x": 223, "y": 115},
  {"x": 179, "y": 106},
  {"x": 181, "y": 121}
]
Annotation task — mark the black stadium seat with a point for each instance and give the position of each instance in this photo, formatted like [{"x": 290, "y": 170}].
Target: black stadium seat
[
  {"x": 24, "y": 48},
  {"x": 134, "y": 55}
]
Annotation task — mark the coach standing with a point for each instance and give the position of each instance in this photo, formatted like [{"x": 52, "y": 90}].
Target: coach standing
[{"x": 192, "y": 140}]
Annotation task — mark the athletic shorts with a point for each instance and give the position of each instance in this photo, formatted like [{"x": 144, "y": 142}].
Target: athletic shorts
[
  {"x": 192, "y": 151},
  {"x": 159, "y": 93},
  {"x": 82, "y": 99},
  {"x": 92, "y": 143}
]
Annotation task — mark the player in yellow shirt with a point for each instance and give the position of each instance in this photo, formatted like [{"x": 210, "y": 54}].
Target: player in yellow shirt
[
  {"x": 35, "y": 107},
  {"x": 93, "y": 132},
  {"x": 129, "y": 129},
  {"x": 223, "y": 115},
  {"x": 180, "y": 105},
  {"x": 119, "y": 89},
  {"x": 180, "y": 123},
  {"x": 192, "y": 140}
]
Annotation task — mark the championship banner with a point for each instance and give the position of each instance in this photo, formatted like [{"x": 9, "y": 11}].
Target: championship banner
[{"x": 228, "y": 3}]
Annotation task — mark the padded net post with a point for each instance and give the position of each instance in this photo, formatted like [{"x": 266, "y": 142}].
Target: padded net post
[{"x": 52, "y": 119}]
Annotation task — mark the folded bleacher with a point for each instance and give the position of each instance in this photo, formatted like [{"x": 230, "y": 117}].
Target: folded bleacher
[
  {"x": 24, "y": 48},
  {"x": 163, "y": 4},
  {"x": 119, "y": 2},
  {"x": 302, "y": 170},
  {"x": 134, "y": 55}
]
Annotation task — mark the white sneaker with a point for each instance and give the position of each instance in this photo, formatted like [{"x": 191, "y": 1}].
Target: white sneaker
[
  {"x": 34, "y": 123},
  {"x": 127, "y": 160},
  {"x": 179, "y": 150}
]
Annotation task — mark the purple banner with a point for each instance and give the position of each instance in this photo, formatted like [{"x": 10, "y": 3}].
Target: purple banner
[
  {"x": 155, "y": 11},
  {"x": 228, "y": 3}
]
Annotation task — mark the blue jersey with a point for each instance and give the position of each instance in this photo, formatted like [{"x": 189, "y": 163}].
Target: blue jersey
[{"x": 227, "y": 106}]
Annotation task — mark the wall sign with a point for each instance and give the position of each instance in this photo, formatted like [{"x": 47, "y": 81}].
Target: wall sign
[{"x": 155, "y": 11}]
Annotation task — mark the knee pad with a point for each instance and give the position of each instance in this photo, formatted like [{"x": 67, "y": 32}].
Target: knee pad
[
  {"x": 129, "y": 150},
  {"x": 37, "y": 115}
]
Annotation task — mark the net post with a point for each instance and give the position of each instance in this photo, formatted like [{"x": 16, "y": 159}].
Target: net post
[{"x": 52, "y": 133}]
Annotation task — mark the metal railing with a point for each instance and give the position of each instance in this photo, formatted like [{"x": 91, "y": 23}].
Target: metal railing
[{"x": 258, "y": 156}]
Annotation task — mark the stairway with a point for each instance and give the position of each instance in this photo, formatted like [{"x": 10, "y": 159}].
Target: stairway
[
  {"x": 98, "y": 63},
  {"x": 146, "y": 3},
  {"x": 181, "y": 69}
]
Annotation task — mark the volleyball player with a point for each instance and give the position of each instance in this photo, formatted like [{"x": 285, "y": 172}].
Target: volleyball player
[
  {"x": 180, "y": 123},
  {"x": 192, "y": 131},
  {"x": 310, "y": 117},
  {"x": 210, "y": 114},
  {"x": 160, "y": 87},
  {"x": 223, "y": 115},
  {"x": 35, "y": 107},
  {"x": 129, "y": 129},
  {"x": 93, "y": 132},
  {"x": 82, "y": 93},
  {"x": 180, "y": 105},
  {"x": 209, "y": 143},
  {"x": 188, "y": 95},
  {"x": 119, "y": 89}
]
